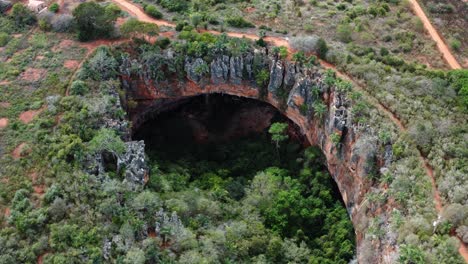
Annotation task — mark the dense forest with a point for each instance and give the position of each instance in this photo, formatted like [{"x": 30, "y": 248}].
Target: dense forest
[{"x": 242, "y": 199}]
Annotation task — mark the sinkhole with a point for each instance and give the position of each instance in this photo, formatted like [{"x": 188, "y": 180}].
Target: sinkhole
[{"x": 245, "y": 192}]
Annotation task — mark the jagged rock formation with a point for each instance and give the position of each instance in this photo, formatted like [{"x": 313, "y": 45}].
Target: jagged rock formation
[{"x": 351, "y": 151}]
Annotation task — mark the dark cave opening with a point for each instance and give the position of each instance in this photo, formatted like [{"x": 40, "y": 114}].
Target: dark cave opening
[{"x": 221, "y": 142}]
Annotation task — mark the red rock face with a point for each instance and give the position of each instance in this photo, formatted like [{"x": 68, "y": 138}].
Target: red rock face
[
  {"x": 346, "y": 170},
  {"x": 347, "y": 160}
]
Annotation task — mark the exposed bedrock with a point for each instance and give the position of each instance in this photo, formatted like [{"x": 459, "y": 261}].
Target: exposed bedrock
[{"x": 352, "y": 153}]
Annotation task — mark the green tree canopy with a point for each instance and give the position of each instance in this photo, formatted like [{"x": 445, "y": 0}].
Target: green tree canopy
[{"x": 93, "y": 21}]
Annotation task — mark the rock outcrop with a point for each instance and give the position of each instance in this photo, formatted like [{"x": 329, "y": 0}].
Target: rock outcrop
[{"x": 352, "y": 153}]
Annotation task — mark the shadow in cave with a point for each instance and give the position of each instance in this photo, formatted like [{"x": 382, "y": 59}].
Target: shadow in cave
[
  {"x": 220, "y": 144},
  {"x": 224, "y": 130}
]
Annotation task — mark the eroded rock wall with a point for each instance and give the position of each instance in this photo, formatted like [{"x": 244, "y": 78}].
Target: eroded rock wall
[{"x": 351, "y": 153}]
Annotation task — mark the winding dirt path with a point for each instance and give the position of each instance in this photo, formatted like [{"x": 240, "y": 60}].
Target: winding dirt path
[{"x": 453, "y": 63}]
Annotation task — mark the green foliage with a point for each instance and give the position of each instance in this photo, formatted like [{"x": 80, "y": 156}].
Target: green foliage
[
  {"x": 113, "y": 11},
  {"x": 153, "y": 11},
  {"x": 335, "y": 138},
  {"x": 54, "y": 8},
  {"x": 78, "y": 87},
  {"x": 102, "y": 66},
  {"x": 174, "y": 5},
  {"x": 135, "y": 28},
  {"x": 299, "y": 57},
  {"x": 93, "y": 21},
  {"x": 22, "y": 15},
  {"x": 262, "y": 78},
  {"x": 278, "y": 133},
  {"x": 344, "y": 33},
  {"x": 319, "y": 109},
  {"x": 322, "y": 48},
  {"x": 455, "y": 44},
  {"x": 4, "y": 38},
  {"x": 410, "y": 254},
  {"x": 239, "y": 22},
  {"x": 106, "y": 140}
]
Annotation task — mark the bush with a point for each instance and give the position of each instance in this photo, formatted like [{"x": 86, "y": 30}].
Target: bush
[
  {"x": 62, "y": 23},
  {"x": 343, "y": 33},
  {"x": 54, "y": 7},
  {"x": 310, "y": 44},
  {"x": 163, "y": 43},
  {"x": 78, "y": 88},
  {"x": 153, "y": 12},
  {"x": 239, "y": 22},
  {"x": 174, "y": 5},
  {"x": 4, "y": 38},
  {"x": 44, "y": 25},
  {"x": 101, "y": 66},
  {"x": 455, "y": 44},
  {"x": 22, "y": 15}
]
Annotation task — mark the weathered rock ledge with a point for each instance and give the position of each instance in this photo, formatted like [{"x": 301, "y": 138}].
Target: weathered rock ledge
[{"x": 294, "y": 90}]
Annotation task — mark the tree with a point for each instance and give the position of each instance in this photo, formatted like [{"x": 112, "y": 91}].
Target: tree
[
  {"x": 278, "y": 134},
  {"x": 22, "y": 15},
  {"x": 93, "y": 21}
]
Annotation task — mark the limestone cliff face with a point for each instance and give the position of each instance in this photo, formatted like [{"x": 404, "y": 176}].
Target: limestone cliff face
[{"x": 352, "y": 155}]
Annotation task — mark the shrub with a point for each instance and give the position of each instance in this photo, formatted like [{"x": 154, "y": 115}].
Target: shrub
[
  {"x": 22, "y": 15},
  {"x": 54, "y": 7},
  {"x": 44, "y": 25},
  {"x": 262, "y": 78},
  {"x": 153, "y": 12},
  {"x": 78, "y": 88},
  {"x": 114, "y": 11},
  {"x": 310, "y": 44},
  {"x": 455, "y": 44},
  {"x": 62, "y": 23},
  {"x": 343, "y": 33},
  {"x": 174, "y": 5},
  {"x": 4, "y": 38},
  {"x": 163, "y": 42},
  {"x": 101, "y": 66},
  {"x": 239, "y": 22}
]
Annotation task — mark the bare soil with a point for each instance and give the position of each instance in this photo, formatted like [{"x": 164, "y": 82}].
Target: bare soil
[
  {"x": 28, "y": 116},
  {"x": 18, "y": 151},
  {"x": 3, "y": 122},
  {"x": 71, "y": 64},
  {"x": 5, "y": 104},
  {"x": 33, "y": 74}
]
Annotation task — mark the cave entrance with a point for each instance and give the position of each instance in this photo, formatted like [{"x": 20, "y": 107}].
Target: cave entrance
[{"x": 213, "y": 160}]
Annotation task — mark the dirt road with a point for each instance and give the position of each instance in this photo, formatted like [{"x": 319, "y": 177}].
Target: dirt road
[
  {"x": 140, "y": 14},
  {"x": 453, "y": 63}
]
